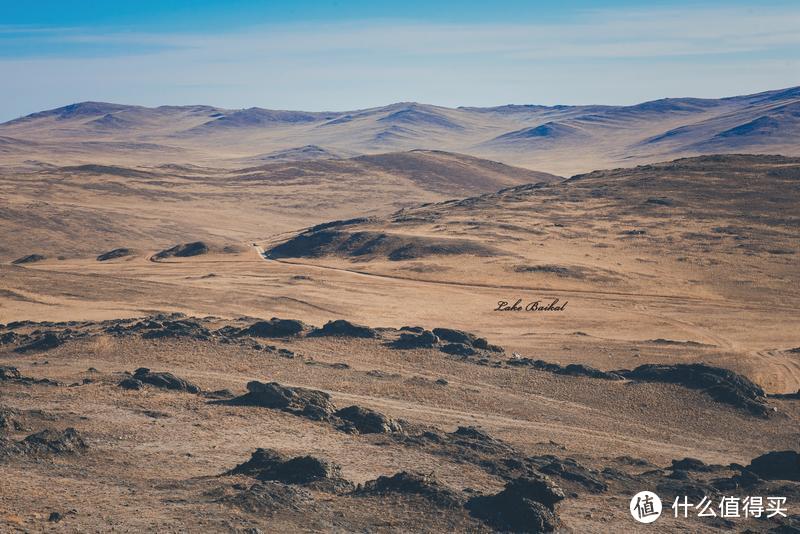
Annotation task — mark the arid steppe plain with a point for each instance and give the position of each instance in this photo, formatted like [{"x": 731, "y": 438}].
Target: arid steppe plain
[{"x": 162, "y": 238}]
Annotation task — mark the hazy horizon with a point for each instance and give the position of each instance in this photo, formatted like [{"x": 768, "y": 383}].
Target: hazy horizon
[
  {"x": 320, "y": 55},
  {"x": 399, "y": 102}
]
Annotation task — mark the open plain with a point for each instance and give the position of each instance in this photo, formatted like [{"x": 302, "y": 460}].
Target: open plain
[{"x": 288, "y": 330}]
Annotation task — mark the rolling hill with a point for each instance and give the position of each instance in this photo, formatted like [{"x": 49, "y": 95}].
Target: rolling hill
[{"x": 558, "y": 139}]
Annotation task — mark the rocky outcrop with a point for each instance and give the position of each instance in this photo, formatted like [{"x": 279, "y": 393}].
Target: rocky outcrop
[
  {"x": 162, "y": 327},
  {"x": 466, "y": 339},
  {"x": 114, "y": 254},
  {"x": 270, "y": 465},
  {"x": 720, "y": 384},
  {"x": 573, "y": 369},
  {"x": 777, "y": 465},
  {"x": 46, "y": 442},
  {"x": 183, "y": 250},
  {"x": 268, "y": 498},
  {"x": 162, "y": 380},
  {"x": 342, "y": 328},
  {"x": 275, "y": 327},
  {"x": 415, "y": 340},
  {"x": 310, "y": 403},
  {"x": 405, "y": 483},
  {"x": 367, "y": 421},
  {"x": 9, "y": 373},
  {"x": 525, "y": 505},
  {"x": 30, "y": 258},
  {"x": 46, "y": 341}
]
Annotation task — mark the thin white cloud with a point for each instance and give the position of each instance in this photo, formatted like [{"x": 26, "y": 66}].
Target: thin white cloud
[{"x": 600, "y": 57}]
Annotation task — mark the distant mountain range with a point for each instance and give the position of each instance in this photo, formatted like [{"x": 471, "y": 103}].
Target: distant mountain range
[{"x": 559, "y": 139}]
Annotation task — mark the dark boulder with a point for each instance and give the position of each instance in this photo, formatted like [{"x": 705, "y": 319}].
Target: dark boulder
[
  {"x": 690, "y": 464},
  {"x": 465, "y": 338},
  {"x": 367, "y": 421},
  {"x": 342, "y": 328},
  {"x": 777, "y": 465},
  {"x": 267, "y": 464},
  {"x": 164, "y": 380},
  {"x": 131, "y": 383},
  {"x": 274, "y": 328},
  {"x": 455, "y": 336},
  {"x": 310, "y": 403},
  {"x": 422, "y": 340},
  {"x": 525, "y": 505},
  {"x": 406, "y": 483}
]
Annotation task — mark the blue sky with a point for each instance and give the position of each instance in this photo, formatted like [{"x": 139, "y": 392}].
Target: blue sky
[{"x": 345, "y": 54}]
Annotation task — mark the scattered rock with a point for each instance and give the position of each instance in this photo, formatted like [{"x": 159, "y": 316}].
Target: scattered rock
[
  {"x": 367, "y": 421},
  {"x": 55, "y": 517},
  {"x": 412, "y": 484},
  {"x": 160, "y": 326},
  {"x": 342, "y": 328},
  {"x": 441, "y": 382}
]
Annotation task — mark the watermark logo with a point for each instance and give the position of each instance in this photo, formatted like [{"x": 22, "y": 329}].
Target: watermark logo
[{"x": 645, "y": 507}]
